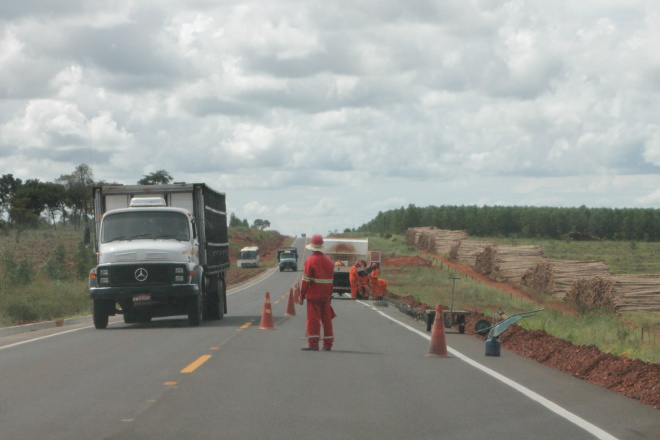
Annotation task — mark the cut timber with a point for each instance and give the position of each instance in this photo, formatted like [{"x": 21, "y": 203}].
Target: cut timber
[
  {"x": 437, "y": 241},
  {"x": 466, "y": 251},
  {"x": 555, "y": 277},
  {"x": 508, "y": 262},
  {"x": 618, "y": 293}
]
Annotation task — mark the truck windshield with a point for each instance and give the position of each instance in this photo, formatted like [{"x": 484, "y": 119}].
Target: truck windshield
[
  {"x": 248, "y": 255},
  {"x": 145, "y": 225}
]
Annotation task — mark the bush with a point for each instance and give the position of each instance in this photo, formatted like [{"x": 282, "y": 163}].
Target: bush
[
  {"x": 15, "y": 274},
  {"x": 55, "y": 268},
  {"x": 84, "y": 260}
]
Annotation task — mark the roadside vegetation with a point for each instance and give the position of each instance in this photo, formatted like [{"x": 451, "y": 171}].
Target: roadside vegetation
[
  {"x": 631, "y": 335},
  {"x": 43, "y": 277}
]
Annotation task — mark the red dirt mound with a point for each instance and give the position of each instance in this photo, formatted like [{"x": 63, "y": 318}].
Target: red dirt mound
[{"x": 632, "y": 378}]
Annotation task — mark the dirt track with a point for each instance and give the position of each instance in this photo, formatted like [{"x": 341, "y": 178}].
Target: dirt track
[{"x": 630, "y": 377}]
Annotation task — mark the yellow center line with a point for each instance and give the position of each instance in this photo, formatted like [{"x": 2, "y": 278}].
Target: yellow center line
[{"x": 192, "y": 367}]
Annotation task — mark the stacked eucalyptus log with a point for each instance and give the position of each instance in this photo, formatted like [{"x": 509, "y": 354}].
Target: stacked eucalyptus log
[
  {"x": 466, "y": 251},
  {"x": 618, "y": 293},
  {"x": 588, "y": 283},
  {"x": 555, "y": 277},
  {"x": 508, "y": 263},
  {"x": 438, "y": 241}
]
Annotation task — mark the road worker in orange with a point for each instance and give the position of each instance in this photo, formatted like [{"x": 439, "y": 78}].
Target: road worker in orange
[
  {"x": 373, "y": 281},
  {"x": 363, "y": 287},
  {"x": 317, "y": 286},
  {"x": 353, "y": 279}
]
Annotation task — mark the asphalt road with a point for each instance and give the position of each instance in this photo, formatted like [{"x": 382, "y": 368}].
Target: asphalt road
[{"x": 231, "y": 380}]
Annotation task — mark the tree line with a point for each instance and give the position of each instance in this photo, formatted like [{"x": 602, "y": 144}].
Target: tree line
[
  {"x": 67, "y": 200},
  {"x": 634, "y": 224}
]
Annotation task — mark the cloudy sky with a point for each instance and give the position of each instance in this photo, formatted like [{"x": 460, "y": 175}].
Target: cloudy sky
[{"x": 316, "y": 115}]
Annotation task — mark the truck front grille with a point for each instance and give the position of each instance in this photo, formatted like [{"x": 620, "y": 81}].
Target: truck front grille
[{"x": 142, "y": 275}]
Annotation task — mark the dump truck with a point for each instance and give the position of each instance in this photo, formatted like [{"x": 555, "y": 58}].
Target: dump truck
[
  {"x": 162, "y": 250},
  {"x": 288, "y": 258},
  {"x": 344, "y": 253}
]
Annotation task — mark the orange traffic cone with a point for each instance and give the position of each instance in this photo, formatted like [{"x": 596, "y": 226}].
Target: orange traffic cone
[
  {"x": 438, "y": 347},
  {"x": 290, "y": 308},
  {"x": 267, "y": 315}
]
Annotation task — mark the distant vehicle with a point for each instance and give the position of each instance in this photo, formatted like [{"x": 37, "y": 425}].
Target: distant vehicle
[
  {"x": 288, "y": 258},
  {"x": 162, "y": 250},
  {"x": 248, "y": 257}
]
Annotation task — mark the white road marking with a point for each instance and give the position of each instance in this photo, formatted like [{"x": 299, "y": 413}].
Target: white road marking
[{"x": 562, "y": 412}]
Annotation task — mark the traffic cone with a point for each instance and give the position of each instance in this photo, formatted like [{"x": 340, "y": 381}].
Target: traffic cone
[
  {"x": 267, "y": 315},
  {"x": 438, "y": 347},
  {"x": 290, "y": 308}
]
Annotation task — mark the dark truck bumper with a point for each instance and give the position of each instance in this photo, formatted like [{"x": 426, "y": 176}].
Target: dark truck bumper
[
  {"x": 288, "y": 265},
  {"x": 156, "y": 293}
]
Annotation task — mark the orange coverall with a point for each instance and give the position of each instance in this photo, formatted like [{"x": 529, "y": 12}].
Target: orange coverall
[
  {"x": 375, "y": 285},
  {"x": 317, "y": 290},
  {"x": 353, "y": 279},
  {"x": 362, "y": 284}
]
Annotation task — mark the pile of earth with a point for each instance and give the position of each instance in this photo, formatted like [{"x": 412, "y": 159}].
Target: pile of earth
[{"x": 632, "y": 378}]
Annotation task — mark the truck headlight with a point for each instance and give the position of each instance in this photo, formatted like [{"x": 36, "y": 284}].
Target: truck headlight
[
  {"x": 180, "y": 275},
  {"x": 104, "y": 277}
]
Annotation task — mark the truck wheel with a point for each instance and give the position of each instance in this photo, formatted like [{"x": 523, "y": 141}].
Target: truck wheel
[
  {"x": 195, "y": 312},
  {"x": 100, "y": 314}
]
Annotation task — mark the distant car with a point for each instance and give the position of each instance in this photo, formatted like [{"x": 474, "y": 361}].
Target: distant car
[{"x": 303, "y": 235}]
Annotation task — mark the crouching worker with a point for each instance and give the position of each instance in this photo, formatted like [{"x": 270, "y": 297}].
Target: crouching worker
[
  {"x": 373, "y": 280},
  {"x": 363, "y": 287},
  {"x": 317, "y": 289}
]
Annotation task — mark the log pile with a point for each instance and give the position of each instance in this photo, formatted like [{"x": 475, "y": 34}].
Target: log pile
[
  {"x": 593, "y": 292},
  {"x": 508, "y": 262},
  {"x": 637, "y": 293},
  {"x": 618, "y": 293},
  {"x": 555, "y": 277},
  {"x": 438, "y": 241},
  {"x": 466, "y": 251},
  {"x": 588, "y": 283}
]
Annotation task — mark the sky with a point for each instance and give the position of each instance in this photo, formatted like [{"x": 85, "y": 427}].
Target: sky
[{"x": 317, "y": 115}]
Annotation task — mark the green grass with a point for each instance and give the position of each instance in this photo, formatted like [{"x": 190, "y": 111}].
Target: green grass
[
  {"x": 44, "y": 300},
  {"x": 619, "y": 335}
]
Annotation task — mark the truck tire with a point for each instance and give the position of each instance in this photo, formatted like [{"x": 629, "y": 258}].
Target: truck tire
[
  {"x": 195, "y": 312},
  {"x": 100, "y": 314}
]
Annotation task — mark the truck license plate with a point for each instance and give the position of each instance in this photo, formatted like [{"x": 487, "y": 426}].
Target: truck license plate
[{"x": 137, "y": 298}]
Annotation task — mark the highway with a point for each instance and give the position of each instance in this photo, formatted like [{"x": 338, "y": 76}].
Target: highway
[{"x": 231, "y": 380}]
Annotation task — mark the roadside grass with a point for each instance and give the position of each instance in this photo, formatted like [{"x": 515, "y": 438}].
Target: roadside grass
[
  {"x": 43, "y": 300},
  {"x": 627, "y": 335}
]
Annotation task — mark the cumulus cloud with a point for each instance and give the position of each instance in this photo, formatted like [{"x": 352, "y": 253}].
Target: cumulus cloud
[{"x": 321, "y": 115}]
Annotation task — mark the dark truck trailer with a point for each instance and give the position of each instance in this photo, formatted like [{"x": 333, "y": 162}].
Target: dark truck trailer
[{"x": 162, "y": 250}]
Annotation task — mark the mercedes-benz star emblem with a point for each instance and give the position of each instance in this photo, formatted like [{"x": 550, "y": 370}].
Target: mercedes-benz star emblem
[{"x": 141, "y": 274}]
